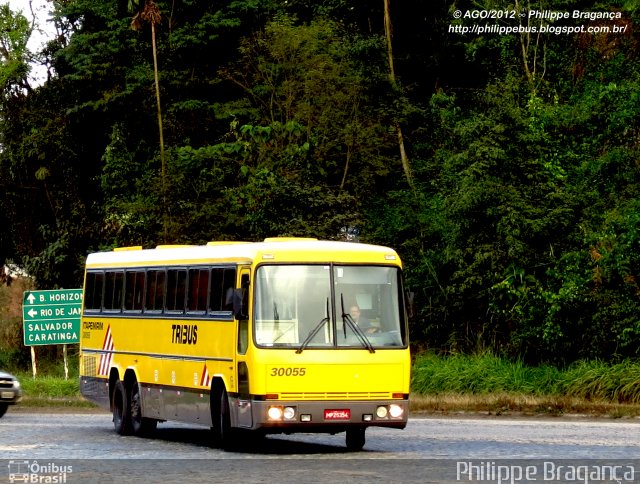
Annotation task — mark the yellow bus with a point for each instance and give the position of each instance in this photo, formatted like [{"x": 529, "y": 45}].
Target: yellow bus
[{"x": 281, "y": 336}]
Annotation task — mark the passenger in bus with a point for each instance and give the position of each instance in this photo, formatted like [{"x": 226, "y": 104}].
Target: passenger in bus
[
  {"x": 363, "y": 323},
  {"x": 228, "y": 299}
]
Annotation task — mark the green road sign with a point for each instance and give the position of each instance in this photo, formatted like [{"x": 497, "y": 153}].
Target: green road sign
[{"x": 51, "y": 317}]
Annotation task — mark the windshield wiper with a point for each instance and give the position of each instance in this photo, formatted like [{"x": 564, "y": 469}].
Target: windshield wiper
[
  {"x": 276, "y": 317},
  {"x": 347, "y": 320},
  {"x": 315, "y": 331}
]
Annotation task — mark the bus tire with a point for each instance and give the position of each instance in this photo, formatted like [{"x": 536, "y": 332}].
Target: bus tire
[
  {"x": 355, "y": 438},
  {"x": 121, "y": 409},
  {"x": 224, "y": 426},
  {"x": 140, "y": 426},
  {"x": 226, "y": 437}
]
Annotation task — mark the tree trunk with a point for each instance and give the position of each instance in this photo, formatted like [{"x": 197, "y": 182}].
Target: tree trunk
[
  {"x": 406, "y": 166},
  {"x": 163, "y": 161}
]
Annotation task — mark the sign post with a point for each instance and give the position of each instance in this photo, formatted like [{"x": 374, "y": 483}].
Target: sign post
[{"x": 51, "y": 317}]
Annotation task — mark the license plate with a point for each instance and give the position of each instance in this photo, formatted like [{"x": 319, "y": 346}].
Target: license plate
[
  {"x": 7, "y": 395},
  {"x": 342, "y": 414}
]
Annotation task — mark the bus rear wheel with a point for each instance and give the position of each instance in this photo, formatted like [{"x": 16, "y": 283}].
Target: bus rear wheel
[
  {"x": 121, "y": 409},
  {"x": 355, "y": 438},
  {"x": 141, "y": 426}
]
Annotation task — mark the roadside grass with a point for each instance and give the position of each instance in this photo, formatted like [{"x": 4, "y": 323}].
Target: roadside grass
[
  {"x": 487, "y": 383},
  {"x": 458, "y": 384},
  {"x": 51, "y": 391},
  {"x": 481, "y": 374},
  {"x": 505, "y": 404}
]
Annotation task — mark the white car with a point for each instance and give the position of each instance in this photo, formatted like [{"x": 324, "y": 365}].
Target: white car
[{"x": 10, "y": 391}]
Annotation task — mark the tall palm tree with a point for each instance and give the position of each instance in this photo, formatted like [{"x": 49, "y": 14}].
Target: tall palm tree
[{"x": 146, "y": 11}]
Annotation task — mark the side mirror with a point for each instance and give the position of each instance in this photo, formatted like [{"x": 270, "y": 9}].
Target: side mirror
[{"x": 409, "y": 297}]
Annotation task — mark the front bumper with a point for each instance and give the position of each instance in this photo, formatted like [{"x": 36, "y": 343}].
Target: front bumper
[
  {"x": 320, "y": 416},
  {"x": 10, "y": 396}
]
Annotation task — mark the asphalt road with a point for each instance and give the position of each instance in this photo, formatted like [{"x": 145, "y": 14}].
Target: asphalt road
[{"x": 81, "y": 447}]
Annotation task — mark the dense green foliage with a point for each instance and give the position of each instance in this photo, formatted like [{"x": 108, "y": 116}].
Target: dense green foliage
[{"x": 520, "y": 230}]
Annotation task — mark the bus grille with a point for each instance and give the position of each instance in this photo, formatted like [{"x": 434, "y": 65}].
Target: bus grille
[
  {"x": 92, "y": 387},
  {"x": 335, "y": 396},
  {"x": 89, "y": 365}
]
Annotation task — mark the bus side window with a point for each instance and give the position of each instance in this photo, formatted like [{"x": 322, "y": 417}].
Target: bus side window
[
  {"x": 222, "y": 283},
  {"x": 216, "y": 294},
  {"x": 93, "y": 291},
  {"x": 176, "y": 285},
  {"x": 113, "y": 291},
  {"x": 154, "y": 300},
  {"x": 198, "y": 287},
  {"x": 133, "y": 290},
  {"x": 228, "y": 284}
]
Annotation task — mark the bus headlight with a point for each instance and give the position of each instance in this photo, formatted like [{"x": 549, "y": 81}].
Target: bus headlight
[
  {"x": 381, "y": 412},
  {"x": 275, "y": 413},
  {"x": 392, "y": 411},
  {"x": 395, "y": 411},
  {"x": 278, "y": 413}
]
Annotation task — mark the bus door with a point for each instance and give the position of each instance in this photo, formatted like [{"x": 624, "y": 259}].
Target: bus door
[{"x": 241, "y": 314}]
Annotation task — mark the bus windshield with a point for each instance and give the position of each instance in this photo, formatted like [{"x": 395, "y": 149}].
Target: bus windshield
[{"x": 328, "y": 306}]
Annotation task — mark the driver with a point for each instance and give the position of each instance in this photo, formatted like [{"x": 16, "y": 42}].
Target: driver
[{"x": 363, "y": 323}]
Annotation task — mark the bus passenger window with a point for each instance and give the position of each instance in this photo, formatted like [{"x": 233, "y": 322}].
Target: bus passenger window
[
  {"x": 113, "y": 290},
  {"x": 223, "y": 281},
  {"x": 228, "y": 284},
  {"x": 198, "y": 287},
  {"x": 154, "y": 300},
  {"x": 176, "y": 285},
  {"x": 133, "y": 290},
  {"x": 93, "y": 291}
]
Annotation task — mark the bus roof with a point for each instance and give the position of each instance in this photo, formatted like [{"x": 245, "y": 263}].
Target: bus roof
[{"x": 285, "y": 250}]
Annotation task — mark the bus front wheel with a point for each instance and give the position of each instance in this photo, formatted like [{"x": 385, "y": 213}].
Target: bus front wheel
[
  {"x": 121, "y": 409},
  {"x": 225, "y": 435},
  {"x": 355, "y": 438}
]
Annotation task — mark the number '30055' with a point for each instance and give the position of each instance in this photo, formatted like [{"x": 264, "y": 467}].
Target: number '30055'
[{"x": 288, "y": 371}]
